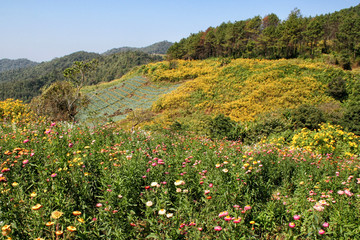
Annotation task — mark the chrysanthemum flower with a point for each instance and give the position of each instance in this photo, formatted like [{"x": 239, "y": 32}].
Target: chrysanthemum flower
[
  {"x": 76, "y": 213},
  {"x": 56, "y": 214},
  {"x": 162, "y": 211},
  {"x": 71, "y": 228},
  {"x": 48, "y": 224},
  {"x": 37, "y": 207}
]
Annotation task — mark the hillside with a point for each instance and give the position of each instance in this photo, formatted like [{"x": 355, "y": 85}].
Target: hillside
[
  {"x": 258, "y": 95},
  {"x": 271, "y": 38},
  {"x": 156, "y": 48},
  {"x": 8, "y": 64},
  {"x": 26, "y": 83}
]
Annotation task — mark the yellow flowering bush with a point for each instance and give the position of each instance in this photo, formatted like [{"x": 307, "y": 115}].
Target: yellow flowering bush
[{"x": 327, "y": 139}]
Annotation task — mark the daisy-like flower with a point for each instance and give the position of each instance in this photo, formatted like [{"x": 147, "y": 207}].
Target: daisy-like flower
[
  {"x": 237, "y": 220},
  {"x": 169, "y": 215},
  {"x": 49, "y": 224},
  {"x": 291, "y": 225},
  {"x": 37, "y": 207},
  {"x": 162, "y": 211},
  {"x": 59, "y": 232},
  {"x": 149, "y": 203},
  {"x": 56, "y": 214},
  {"x": 179, "y": 182},
  {"x": 71, "y": 228},
  {"x": 225, "y": 170},
  {"x": 223, "y": 214},
  {"x": 218, "y": 228},
  {"x": 76, "y": 213},
  {"x": 154, "y": 184},
  {"x": 33, "y": 194},
  {"x": 81, "y": 220}
]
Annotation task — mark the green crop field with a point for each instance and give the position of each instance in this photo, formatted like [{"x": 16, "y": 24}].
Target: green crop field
[{"x": 117, "y": 100}]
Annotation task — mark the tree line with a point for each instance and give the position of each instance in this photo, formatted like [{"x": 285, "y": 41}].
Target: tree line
[{"x": 270, "y": 38}]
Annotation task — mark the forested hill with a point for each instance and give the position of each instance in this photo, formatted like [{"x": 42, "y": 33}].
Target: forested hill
[
  {"x": 271, "y": 38},
  {"x": 26, "y": 83},
  {"x": 8, "y": 64},
  {"x": 156, "y": 48}
]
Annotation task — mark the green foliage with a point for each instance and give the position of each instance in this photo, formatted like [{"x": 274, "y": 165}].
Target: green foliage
[
  {"x": 60, "y": 102},
  {"x": 7, "y": 64},
  {"x": 307, "y": 116},
  {"x": 337, "y": 89},
  {"x": 270, "y": 38},
  {"x": 222, "y": 127}
]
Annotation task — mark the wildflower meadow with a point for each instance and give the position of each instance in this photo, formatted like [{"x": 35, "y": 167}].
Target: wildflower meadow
[{"x": 63, "y": 180}]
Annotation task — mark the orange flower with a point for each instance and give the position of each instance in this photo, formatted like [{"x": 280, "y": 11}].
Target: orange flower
[
  {"x": 48, "y": 224},
  {"x": 71, "y": 228},
  {"x": 76, "y": 213},
  {"x": 59, "y": 232},
  {"x": 56, "y": 214},
  {"x": 81, "y": 220},
  {"x": 37, "y": 207}
]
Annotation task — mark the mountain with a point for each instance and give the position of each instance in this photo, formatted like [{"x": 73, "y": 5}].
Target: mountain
[
  {"x": 156, "y": 48},
  {"x": 26, "y": 83},
  {"x": 8, "y": 64}
]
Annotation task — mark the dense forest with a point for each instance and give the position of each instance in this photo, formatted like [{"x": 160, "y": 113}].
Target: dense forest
[
  {"x": 8, "y": 64},
  {"x": 270, "y": 38}
]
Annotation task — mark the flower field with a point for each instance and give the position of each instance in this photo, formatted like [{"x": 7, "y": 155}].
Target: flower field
[{"x": 68, "y": 181}]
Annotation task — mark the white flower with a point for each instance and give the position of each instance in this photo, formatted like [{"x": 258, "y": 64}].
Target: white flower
[
  {"x": 179, "y": 182},
  {"x": 225, "y": 170},
  {"x": 169, "y": 215},
  {"x": 185, "y": 191},
  {"x": 178, "y": 190},
  {"x": 149, "y": 203},
  {"x": 162, "y": 211},
  {"x": 154, "y": 184}
]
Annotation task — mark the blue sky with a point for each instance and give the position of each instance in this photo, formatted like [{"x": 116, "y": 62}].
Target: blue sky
[{"x": 41, "y": 30}]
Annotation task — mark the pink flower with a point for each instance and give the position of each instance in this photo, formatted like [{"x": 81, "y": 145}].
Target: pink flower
[
  {"x": 347, "y": 192},
  {"x": 200, "y": 229},
  {"x": 340, "y": 192},
  {"x": 247, "y": 207},
  {"x": 291, "y": 225},
  {"x": 71, "y": 145},
  {"x": 337, "y": 174},
  {"x": 223, "y": 214},
  {"x": 237, "y": 220},
  {"x": 227, "y": 218},
  {"x": 25, "y": 161},
  {"x": 26, "y": 140},
  {"x": 321, "y": 232},
  {"x": 325, "y": 225},
  {"x": 53, "y": 175},
  {"x": 207, "y": 192},
  {"x": 296, "y": 217},
  {"x": 217, "y": 228},
  {"x": 98, "y": 205},
  {"x": 211, "y": 185}
]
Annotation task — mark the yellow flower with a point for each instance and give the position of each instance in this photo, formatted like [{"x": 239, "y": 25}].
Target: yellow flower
[
  {"x": 37, "y": 207},
  {"x": 33, "y": 194},
  {"x": 59, "y": 232},
  {"x": 56, "y": 214},
  {"x": 252, "y": 222},
  {"x": 48, "y": 224},
  {"x": 71, "y": 228},
  {"x": 6, "y": 228},
  {"x": 76, "y": 213},
  {"x": 81, "y": 220},
  {"x": 14, "y": 184}
]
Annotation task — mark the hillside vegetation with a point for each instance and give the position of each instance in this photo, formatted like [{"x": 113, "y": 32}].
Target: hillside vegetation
[
  {"x": 270, "y": 38},
  {"x": 7, "y": 64}
]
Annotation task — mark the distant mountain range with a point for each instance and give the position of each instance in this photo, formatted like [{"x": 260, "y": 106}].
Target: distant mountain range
[
  {"x": 23, "y": 79},
  {"x": 156, "y": 48},
  {"x": 8, "y": 64}
]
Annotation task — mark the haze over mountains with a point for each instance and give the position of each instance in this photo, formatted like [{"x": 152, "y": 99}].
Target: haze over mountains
[
  {"x": 156, "y": 48},
  {"x": 23, "y": 79}
]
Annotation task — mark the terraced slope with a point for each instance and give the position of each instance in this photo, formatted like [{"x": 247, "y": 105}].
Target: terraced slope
[{"x": 115, "y": 101}]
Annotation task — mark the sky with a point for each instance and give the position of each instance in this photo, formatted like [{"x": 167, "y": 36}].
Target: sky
[{"x": 41, "y": 30}]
